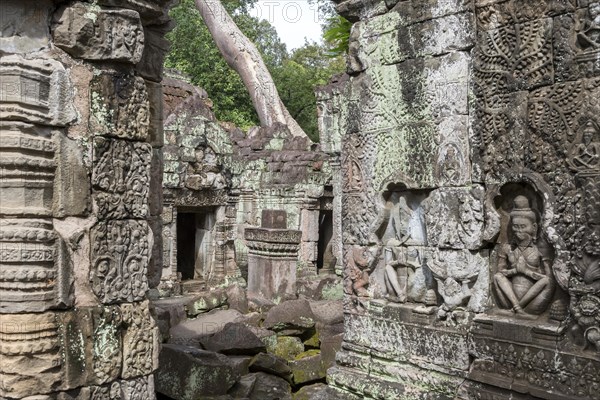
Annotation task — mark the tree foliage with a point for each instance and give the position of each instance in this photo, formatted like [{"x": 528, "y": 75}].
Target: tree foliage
[{"x": 295, "y": 73}]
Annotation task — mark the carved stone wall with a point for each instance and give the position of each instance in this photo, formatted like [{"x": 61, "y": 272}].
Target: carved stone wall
[
  {"x": 469, "y": 147},
  {"x": 81, "y": 111}
]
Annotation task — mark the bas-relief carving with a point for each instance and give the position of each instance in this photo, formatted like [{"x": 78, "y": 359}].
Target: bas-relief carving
[
  {"x": 524, "y": 281},
  {"x": 121, "y": 178},
  {"x": 95, "y": 33},
  {"x": 455, "y": 218},
  {"x": 140, "y": 340},
  {"x": 36, "y": 91},
  {"x": 32, "y": 340},
  {"x": 119, "y": 106},
  {"x": 204, "y": 172},
  {"x": 360, "y": 263},
  {"x": 120, "y": 255},
  {"x": 462, "y": 281}
]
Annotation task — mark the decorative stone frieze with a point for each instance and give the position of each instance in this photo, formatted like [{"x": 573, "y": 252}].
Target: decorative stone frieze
[{"x": 91, "y": 32}]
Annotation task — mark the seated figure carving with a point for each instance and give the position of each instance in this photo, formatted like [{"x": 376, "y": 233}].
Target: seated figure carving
[
  {"x": 586, "y": 155},
  {"x": 524, "y": 281},
  {"x": 588, "y": 37}
]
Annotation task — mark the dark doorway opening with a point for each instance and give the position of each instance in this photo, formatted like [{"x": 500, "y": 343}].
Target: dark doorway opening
[
  {"x": 325, "y": 258},
  {"x": 195, "y": 243}
]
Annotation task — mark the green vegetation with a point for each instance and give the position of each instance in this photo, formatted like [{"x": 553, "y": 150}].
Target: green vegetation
[{"x": 295, "y": 73}]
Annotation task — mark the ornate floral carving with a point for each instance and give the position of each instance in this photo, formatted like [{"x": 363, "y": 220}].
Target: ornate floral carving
[
  {"x": 121, "y": 178},
  {"x": 113, "y": 34},
  {"x": 141, "y": 340},
  {"x": 120, "y": 254}
]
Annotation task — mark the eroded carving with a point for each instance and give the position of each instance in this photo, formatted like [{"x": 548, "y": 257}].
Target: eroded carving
[
  {"x": 461, "y": 278},
  {"x": 32, "y": 340},
  {"x": 455, "y": 218},
  {"x": 121, "y": 178},
  {"x": 119, "y": 106},
  {"x": 36, "y": 91},
  {"x": 120, "y": 254},
  {"x": 524, "y": 281},
  {"x": 140, "y": 341},
  {"x": 94, "y": 33}
]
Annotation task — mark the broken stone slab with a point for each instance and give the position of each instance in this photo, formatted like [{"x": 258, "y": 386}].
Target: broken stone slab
[
  {"x": 329, "y": 349},
  {"x": 292, "y": 314},
  {"x": 310, "y": 391},
  {"x": 96, "y": 33},
  {"x": 287, "y": 347},
  {"x": 189, "y": 332},
  {"x": 239, "y": 364},
  {"x": 262, "y": 386},
  {"x": 328, "y": 312},
  {"x": 307, "y": 367},
  {"x": 237, "y": 299},
  {"x": 271, "y": 364},
  {"x": 206, "y": 301},
  {"x": 186, "y": 373},
  {"x": 175, "y": 306},
  {"x": 234, "y": 338}
]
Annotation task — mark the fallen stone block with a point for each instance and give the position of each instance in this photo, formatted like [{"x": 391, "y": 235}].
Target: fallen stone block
[
  {"x": 290, "y": 315},
  {"x": 235, "y": 338},
  {"x": 271, "y": 364},
  {"x": 189, "y": 332},
  {"x": 186, "y": 373}
]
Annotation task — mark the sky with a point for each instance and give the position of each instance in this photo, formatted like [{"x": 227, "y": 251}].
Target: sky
[{"x": 293, "y": 19}]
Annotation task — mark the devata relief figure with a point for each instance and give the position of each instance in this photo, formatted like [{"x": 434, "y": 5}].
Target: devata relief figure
[
  {"x": 588, "y": 37},
  {"x": 524, "y": 279},
  {"x": 400, "y": 266},
  {"x": 586, "y": 155}
]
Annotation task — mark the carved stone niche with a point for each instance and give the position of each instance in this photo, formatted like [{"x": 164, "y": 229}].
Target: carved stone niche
[
  {"x": 523, "y": 276},
  {"x": 401, "y": 230}
]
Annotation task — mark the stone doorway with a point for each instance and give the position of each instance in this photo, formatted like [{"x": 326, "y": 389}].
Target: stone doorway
[
  {"x": 195, "y": 243},
  {"x": 325, "y": 258}
]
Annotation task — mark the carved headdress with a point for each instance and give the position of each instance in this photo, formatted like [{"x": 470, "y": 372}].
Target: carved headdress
[{"x": 522, "y": 209}]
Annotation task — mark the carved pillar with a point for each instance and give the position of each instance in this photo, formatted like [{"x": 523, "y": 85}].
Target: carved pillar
[{"x": 76, "y": 169}]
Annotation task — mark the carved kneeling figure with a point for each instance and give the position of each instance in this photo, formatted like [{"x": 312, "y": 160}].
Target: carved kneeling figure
[
  {"x": 401, "y": 264},
  {"x": 524, "y": 281}
]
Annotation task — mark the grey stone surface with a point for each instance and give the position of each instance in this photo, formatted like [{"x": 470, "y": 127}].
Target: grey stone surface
[
  {"x": 271, "y": 364},
  {"x": 234, "y": 338},
  {"x": 96, "y": 33},
  {"x": 292, "y": 314},
  {"x": 186, "y": 373},
  {"x": 189, "y": 331}
]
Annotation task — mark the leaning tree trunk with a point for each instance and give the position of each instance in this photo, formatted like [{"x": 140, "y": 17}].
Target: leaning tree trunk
[{"x": 241, "y": 55}]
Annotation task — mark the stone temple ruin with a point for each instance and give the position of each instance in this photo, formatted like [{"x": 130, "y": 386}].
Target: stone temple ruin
[{"x": 442, "y": 241}]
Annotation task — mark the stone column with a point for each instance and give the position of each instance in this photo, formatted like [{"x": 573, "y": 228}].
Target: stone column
[{"x": 79, "y": 154}]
